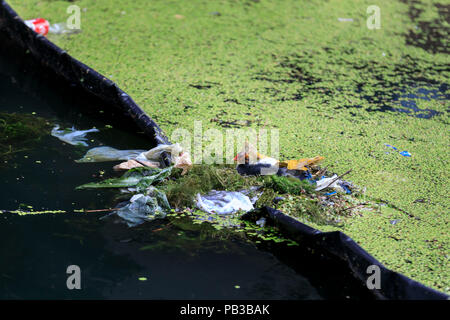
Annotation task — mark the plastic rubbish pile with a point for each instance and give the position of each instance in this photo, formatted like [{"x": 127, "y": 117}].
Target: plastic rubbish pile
[
  {"x": 140, "y": 158},
  {"x": 329, "y": 192},
  {"x": 250, "y": 162},
  {"x": 144, "y": 171},
  {"x": 146, "y": 176}
]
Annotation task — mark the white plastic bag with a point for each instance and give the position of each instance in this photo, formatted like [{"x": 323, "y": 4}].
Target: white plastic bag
[
  {"x": 100, "y": 154},
  {"x": 72, "y": 136},
  {"x": 224, "y": 202}
]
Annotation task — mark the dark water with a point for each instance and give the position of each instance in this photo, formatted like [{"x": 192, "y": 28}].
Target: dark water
[{"x": 181, "y": 261}]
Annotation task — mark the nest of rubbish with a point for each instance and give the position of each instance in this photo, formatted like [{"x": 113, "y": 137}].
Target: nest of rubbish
[{"x": 222, "y": 193}]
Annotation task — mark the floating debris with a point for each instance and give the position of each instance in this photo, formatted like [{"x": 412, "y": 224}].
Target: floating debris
[
  {"x": 403, "y": 153},
  {"x": 72, "y": 136},
  {"x": 224, "y": 202},
  {"x": 345, "y": 19},
  {"x": 144, "y": 207},
  {"x": 102, "y": 154}
]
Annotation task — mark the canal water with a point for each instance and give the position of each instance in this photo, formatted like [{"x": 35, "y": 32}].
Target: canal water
[{"x": 162, "y": 259}]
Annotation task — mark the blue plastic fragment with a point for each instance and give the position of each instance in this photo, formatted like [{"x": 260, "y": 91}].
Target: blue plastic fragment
[
  {"x": 389, "y": 146},
  {"x": 346, "y": 188},
  {"x": 330, "y": 193},
  {"x": 405, "y": 154},
  {"x": 308, "y": 175}
]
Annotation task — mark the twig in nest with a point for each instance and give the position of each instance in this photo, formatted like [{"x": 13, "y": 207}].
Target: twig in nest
[
  {"x": 321, "y": 172},
  {"x": 358, "y": 205},
  {"x": 100, "y": 210},
  {"x": 337, "y": 178},
  {"x": 140, "y": 162},
  {"x": 393, "y": 206},
  {"x": 159, "y": 229}
]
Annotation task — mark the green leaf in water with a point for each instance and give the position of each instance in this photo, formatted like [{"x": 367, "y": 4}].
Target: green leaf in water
[{"x": 141, "y": 178}]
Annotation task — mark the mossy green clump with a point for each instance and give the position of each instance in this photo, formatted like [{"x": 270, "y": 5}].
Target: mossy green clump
[
  {"x": 289, "y": 185},
  {"x": 299, "y": 197},
  {"x": 312, "y": 210},
  {"x": 266, "y": 198},
  {"x": 299, "y": 200},
  {"x": 182, "y": 189}
]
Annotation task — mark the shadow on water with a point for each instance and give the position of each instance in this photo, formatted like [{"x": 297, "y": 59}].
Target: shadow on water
[
  {"x": 431, "y": 35},
  {"x": 180, "y": 260}
]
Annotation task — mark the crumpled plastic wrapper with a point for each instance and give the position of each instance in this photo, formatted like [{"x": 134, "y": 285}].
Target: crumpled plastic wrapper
[
  {"x": 338, "y": 185},
  {"x": 179, "y": 158},
  {"x": 72, "y": 136},
  {"x": 144, "y": 207},
  {"x": 101, "y": 154},
  {"x": 224, "y": 202}
]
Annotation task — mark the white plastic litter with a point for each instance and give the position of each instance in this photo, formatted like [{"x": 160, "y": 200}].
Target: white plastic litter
[
  {"x": 179, "y": 158},
  {"x": 324, "y": 183},
  {"x": 223, "y": 202},
  {"x": 72, "y": 136},
  {"x": 101, "y": 154},
  {"x": 144, "y": 207},
  {"x": 261, "y": 222},
  {"x": 155, "y": 153},
  {"x": 62, "y": 28}
]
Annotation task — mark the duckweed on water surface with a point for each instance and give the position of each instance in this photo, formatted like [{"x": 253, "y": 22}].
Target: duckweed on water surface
[{"x": 332, "y": 88}]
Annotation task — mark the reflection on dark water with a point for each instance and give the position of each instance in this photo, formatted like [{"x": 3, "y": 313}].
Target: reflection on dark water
[
  {"x": 406, "y": 101},
  {"x": 409, "y": 105},
  {"x": 180, "y": 261},
  {"x": 402, "y": 97}
]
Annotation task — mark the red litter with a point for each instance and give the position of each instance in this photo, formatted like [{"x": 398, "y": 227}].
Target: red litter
[{"x": 39, "y": 25}]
